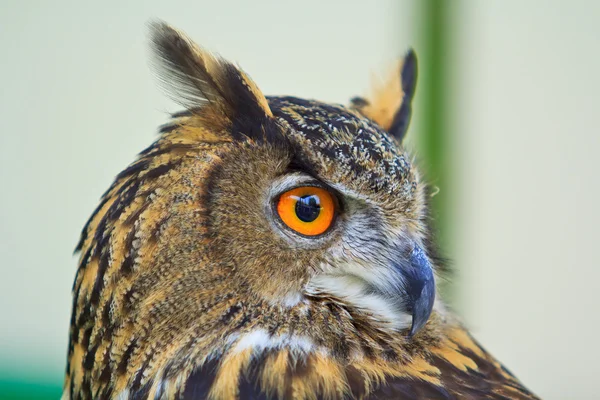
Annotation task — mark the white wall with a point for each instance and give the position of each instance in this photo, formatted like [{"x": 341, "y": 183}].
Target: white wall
[{"x": 527, "y": 92}]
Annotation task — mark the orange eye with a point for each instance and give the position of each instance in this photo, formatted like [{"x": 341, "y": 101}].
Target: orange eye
[{"x": 307, "y": 210}]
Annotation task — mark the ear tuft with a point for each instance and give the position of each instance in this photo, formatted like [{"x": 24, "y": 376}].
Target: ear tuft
[
  {"x": 390, "y": 102},
  {"x": 408, "y": 77},
  {"x": 195, "y": 78}
]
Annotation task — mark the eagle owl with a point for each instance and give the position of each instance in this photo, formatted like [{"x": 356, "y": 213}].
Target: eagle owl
[{"x": 268, "y": 248}]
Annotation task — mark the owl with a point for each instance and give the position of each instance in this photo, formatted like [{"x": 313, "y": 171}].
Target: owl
[{"x": 269, "y": 248}]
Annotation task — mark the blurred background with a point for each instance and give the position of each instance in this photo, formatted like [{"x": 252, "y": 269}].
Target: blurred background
[{"x": 505, "y": 125}]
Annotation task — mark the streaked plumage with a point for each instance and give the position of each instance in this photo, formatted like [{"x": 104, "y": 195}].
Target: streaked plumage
[{"x": 189, "y": 286}]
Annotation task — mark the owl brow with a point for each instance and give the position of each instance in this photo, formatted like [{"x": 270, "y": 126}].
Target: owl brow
[
  {"x": 314, "y": 180},
  {"x": 297, "y": 163}
]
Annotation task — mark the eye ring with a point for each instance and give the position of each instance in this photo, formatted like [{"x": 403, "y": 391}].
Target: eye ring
[{"x": 307, "y": 210}]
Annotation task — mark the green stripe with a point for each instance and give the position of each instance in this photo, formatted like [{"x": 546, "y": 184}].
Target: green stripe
[
  {"x": 26, "y": 390},
  {"x": 433, "y": 143}
]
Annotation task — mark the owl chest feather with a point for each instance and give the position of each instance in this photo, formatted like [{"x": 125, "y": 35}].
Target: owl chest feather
[{"x": 260, "y": 366}]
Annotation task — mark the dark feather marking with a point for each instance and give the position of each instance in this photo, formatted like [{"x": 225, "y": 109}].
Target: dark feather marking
[
  {"x": 409, "y": 81},
  {"x": 249, "y": 118},
  {"x": 198, "y": 384},
  {"x": 470, "y": 384},
  {"x": 86, "y": 388},
  {"x": 99, "y": 236},
  {"x": 122, "y": 366},
  {"x": 88, "y": 362},
  {"x": 130, "y": 250},
  {"x": 105, "y": 317},
  {"x": 82, "y": 264},
  {"x": 168, "y": 127},
  {"x": 140, "y": 393},
  {"x": 127, "y": 265},
  {"x": 84, "y": 231},
  {"x": 106, "y": 373},
  {"x": 126, "y": 195},
  {"x": 341, "y": 349},
  {"x": 359, "y": 102},
  {"x": 244, "y": 320},
  {"x": 72, "y": 387},
  {"x": 366, "y": 347},
  {"x": 107, "y": 392},
  {"x": 230, "y": 313},
  {"x": 249, "y": 382},
  {"x": 411, "y": 389},
  {"x": 134, "y": 169},
  {"x": 155, "y": 145},
  {"x": 99, "y": 282},
  {"x": 249, "y": 390},
  {"x": 158, "y": 227},
  {"x": 507, "y": 371},
  {"x": 206, "y": 197},
  {"x": 136, "y": 391},
  {"x": 135, "y": 215},
  {"x": 131, "y": 171},
  {"x": 85, "y": 339},
  {"x": 300, "y": 163},
  {"x": 156, "y": 149},
  {"x": 182, "y": 73},
  {"x": 84, "y": 316},
  {"x": 157, "y": 172},
  {"x": 356, "y": 382},
  {"x": 492, "y": 373},
  {"x": 128, "y": 300},
  {"x": 184, "y": 113}
]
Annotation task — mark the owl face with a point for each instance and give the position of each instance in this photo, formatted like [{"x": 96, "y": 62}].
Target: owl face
[
  {"x": 252, "y": 222},
  {"x": 329, "y": 206}
]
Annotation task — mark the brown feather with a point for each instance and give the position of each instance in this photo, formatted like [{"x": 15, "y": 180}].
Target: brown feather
[{"x": 184, "y": 278}]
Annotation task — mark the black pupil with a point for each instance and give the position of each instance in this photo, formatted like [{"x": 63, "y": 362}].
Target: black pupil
[{"x": 308, "y": 208}]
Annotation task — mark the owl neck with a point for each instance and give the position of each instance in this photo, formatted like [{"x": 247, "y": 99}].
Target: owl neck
[
  {"x": 319, "y": 344},
  {"x": 316, "y": 326},
  {"x": 256, "y": 343}
]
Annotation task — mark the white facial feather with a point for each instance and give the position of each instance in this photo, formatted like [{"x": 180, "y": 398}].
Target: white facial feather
[
  {"x": 360, "y": 271},
  {"x": 292, "y": 299},
  {"x": 359, "y": 293},
  {"x": 260, "y": 340}
]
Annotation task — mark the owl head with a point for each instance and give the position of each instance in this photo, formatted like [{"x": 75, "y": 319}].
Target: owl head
[{"x": 253, "y": 222}]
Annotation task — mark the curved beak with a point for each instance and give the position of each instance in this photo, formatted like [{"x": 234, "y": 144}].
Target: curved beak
[
  {"x": 391, "y": 291},
  {"x": 419, "y": 285}
]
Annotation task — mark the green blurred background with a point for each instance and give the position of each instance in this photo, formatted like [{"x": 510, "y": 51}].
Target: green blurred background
[{"x": 504, "y": 126}]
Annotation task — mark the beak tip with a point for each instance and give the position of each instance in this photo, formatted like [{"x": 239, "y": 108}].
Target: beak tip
[
  {"x": 418, "y": 322},
  {"x": 412, "y": 332},
  {"x": 418, "y": 286},
  {"x": 422, "y": 309}
]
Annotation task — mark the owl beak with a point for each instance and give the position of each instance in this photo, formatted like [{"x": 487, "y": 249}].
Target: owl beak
[{"x": 419, "y": 286}]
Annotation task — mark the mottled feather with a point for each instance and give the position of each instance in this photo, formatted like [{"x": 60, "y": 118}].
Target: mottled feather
[{"x": 188, "y": 289}]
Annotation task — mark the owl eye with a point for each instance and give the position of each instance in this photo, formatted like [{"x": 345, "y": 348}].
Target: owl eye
[{"x": 308, "y": 210}]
